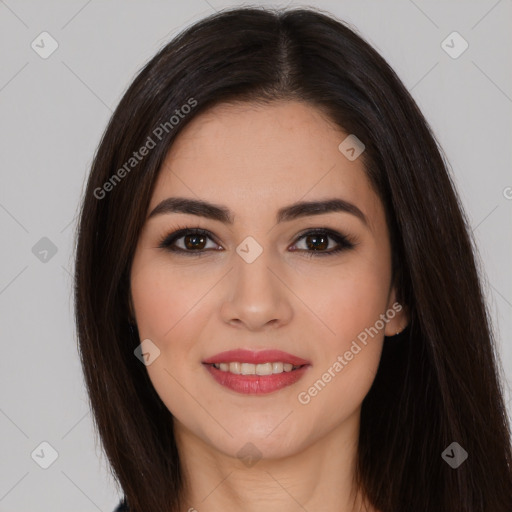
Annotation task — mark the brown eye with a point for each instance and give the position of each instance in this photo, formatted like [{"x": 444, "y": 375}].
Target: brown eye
[
  {"x": 317, "y": 241},
  {"x": 187, "y": 241},
  {"x": 194, "y": 241}
]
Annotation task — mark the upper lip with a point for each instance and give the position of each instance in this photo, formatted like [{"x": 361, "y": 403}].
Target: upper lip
[{"x": 255, "y": 357}]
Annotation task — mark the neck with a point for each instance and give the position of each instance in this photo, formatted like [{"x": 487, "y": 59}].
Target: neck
[{"x": 319, "y": 476}]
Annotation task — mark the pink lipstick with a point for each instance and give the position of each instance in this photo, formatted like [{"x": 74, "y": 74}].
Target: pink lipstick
[{"x": 256, "y": 372}]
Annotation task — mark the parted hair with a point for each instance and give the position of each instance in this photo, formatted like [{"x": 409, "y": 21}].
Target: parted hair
[{"x": 438, "y": 382}]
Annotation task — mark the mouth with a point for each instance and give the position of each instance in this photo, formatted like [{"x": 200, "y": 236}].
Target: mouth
[
  {"x": 238, "y": 368},
  {"x": 260, "y": 372}
]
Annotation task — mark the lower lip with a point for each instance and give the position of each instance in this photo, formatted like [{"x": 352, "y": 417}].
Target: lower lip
[{"x": 256, "y": 384}]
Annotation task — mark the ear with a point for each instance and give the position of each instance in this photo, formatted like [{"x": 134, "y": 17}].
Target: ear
[{"x": 397, "y": 314}]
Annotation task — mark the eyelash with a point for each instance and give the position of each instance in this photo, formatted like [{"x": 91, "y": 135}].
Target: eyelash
[{"x": 344, "y": 242}]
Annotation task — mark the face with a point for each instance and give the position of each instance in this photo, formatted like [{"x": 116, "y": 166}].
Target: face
[{"x": 314, "y": 283}]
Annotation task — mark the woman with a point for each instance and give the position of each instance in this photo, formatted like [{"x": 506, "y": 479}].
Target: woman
[{"x": 277, "y": 300}]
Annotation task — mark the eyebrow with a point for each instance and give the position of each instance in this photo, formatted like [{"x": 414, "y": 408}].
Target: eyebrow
[{"x": 285, "y": 214}]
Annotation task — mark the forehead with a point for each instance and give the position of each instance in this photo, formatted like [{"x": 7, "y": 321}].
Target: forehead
[{"x": 270, "y": 154}]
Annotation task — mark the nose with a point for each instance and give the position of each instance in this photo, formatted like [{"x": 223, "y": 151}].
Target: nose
[{"x": 257, "y": 297}]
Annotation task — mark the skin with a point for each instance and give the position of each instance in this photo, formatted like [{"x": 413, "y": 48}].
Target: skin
[{"x": 254, "y": 160}]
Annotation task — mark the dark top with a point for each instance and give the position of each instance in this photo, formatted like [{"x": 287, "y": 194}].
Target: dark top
[{"x": 122, "y": 507}]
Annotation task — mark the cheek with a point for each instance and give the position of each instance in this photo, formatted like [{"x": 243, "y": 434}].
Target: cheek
[
  {"x": 170, "y": 313},
  {"x": 161, "y": 300},
  {"x": 352, "y": 299},
  {"x": 172, "y": 310},
  {"x": 348, "y": 353}
]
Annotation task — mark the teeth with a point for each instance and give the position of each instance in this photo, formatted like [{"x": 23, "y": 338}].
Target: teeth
[
  {"x": 277, "y": 367},
  {"x": 231, "y": 367},
  {"x": 255, "y": 369}
]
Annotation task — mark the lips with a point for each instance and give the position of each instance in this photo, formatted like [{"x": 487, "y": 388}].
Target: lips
[
  {"x": 256, "y": 357},
  {"x": 256, "y": 384}
]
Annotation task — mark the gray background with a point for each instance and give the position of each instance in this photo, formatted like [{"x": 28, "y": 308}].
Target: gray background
[{"x": 53, "y": 112}]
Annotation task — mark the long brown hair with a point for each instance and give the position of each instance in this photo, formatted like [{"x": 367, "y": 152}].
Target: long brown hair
[{"x": 437, "y": 383}]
